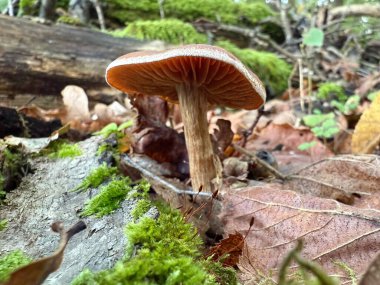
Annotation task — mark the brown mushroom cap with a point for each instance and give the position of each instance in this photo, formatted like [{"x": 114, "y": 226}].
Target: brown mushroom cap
[{"x": 219, "y": 75}]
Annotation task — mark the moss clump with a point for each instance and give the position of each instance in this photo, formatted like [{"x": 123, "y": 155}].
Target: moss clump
[
  {"x": 97, "y": 177},
  {"x": 69, "y": 21},
  {"x": 329, "y": 91},
  {"x": 12, "y": 261},
  {"x": 62, "y": 149},
  {"x": 166, "y": 251},
  {"x": 13, "y": 165},
  {"x": 113, "y": 194},
  {"x": 223, "y": 275},
  {"x": 226, "y": 11},
  {"x": 141, "y": 208},
  {"x": 3, "y": 225},
  {"x": 268, "y": 67},
  {"x": 171, "y": 30},
  {"x": 109, "y": 199}
]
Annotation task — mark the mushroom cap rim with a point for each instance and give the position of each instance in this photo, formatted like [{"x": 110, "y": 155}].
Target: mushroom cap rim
[{"x": 192, "y": 51}]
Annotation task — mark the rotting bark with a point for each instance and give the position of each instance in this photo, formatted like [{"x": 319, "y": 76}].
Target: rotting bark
[
  {"x": 41, "y": 59},
  {"x": 44, "y": 197}
]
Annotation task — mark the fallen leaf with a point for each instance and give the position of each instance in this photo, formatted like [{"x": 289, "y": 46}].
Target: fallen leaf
[
  {"x": 331, "y": 231},
  {"x": 367, "y": 83},
  {"x": 372, "y": 275},
  {"x": 149, "y": 139},
  {"x": 289, "y": 138},
  {"x": 228, "y": 250},
  {"x": 76, "y": 102},
  {"x": 354, "y": 177},
  {"x": 366, "y": 136},
  {"x": 151, "y": 107},
  {"x": 36, "y": 272},
  {"x": 223, "y": 135}
]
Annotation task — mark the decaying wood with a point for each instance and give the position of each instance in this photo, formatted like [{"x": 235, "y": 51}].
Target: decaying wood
[{"x": 41, "y": 59}]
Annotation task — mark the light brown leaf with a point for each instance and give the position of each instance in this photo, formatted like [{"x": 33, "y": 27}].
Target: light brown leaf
[
  {"x": 76, "y": 102},
  {"x": 366, "y": 136},
  {"x": 331, "y": 231},
  {"x": 36, "y": 272}
]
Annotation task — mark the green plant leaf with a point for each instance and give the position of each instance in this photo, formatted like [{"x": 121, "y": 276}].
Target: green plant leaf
[
  {"x": 306, "y": 145},
  {"x": 317, "y": 119},
  {"x": 313, "y": 37}
]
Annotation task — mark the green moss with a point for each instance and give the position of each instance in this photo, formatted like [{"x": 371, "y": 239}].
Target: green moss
[
  {"x": 165, "y": 251},
  {"x": 13, "y": 165},
  {"x": 223, "y": 275},
  {"x": 141, "y": 208},
  {"x": 11, "y": 262},
  {"x": 62, "y": 149},
  {"x": 109, "y": 199},
  {"x": 69, "y": 21},
  {"x": 226, "y": 11},
  {"x": 169, "y": 30},
  {"x": 328, "y": 91},
  {"x": 3, "y": 225},
  {"x": 268, "y": 67},
  {"x": 97, "y": 177}
]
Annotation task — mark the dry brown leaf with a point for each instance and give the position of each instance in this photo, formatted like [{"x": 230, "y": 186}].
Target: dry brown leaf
[
  {"x": 151, "y": 107},
  {"x": 342, "y": 175},
  {"x": 76, "y": 102},
  {"x": 36, "y": 272},
  {"x": 366, "y": 136},
  {"x": 368, "y": 83},
  {"x": 228, "y": 250},
  {"x": 331, "y": 231}
]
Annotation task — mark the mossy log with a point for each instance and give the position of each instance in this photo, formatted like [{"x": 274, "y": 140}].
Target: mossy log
[{"x": 43, "y": 59}]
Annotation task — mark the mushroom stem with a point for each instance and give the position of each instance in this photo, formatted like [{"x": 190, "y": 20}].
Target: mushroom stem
[{"x": 204, "y": 165}]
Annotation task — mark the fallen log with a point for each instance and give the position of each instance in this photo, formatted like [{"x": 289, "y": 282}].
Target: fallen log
[{"x": 42, "y": 59}]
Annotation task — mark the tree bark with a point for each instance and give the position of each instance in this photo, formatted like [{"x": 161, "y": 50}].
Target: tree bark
[
  {"x": 42, "y": 60},
  {"x": 47, "y": 9},
  {"x": 369, "y": 10}
]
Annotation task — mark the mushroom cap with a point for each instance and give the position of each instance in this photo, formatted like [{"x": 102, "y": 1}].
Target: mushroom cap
[{"x": 219, "y": 75}]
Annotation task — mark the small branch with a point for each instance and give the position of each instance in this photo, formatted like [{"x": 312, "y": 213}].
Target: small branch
[
  {"x": 285, "y": 21},
  {"x": 302, "y": 95},
  {"x": 261, "y": 162},
  {"x": 358, "y": 10},
  {"x": 249, "y": 132},
  {"x": 99, "y": 12},
  {"x": 160, "y": 180}
]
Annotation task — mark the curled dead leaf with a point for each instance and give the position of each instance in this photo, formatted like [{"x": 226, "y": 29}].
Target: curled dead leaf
[{"x": 36, "y": 272}]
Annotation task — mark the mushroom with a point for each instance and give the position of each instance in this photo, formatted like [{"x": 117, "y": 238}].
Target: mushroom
[{"x": 194, "y": 76}]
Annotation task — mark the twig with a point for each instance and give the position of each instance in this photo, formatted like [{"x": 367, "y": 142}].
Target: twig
[
  {"x": 160, "y": 180},
  {"x": 284, "y": 177},
  {"x": 99, "y": 12},
  {"x": 261, "y": 162},
  {"x": 302, "y": 95},
  {"x": 249, "y": 132}
]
